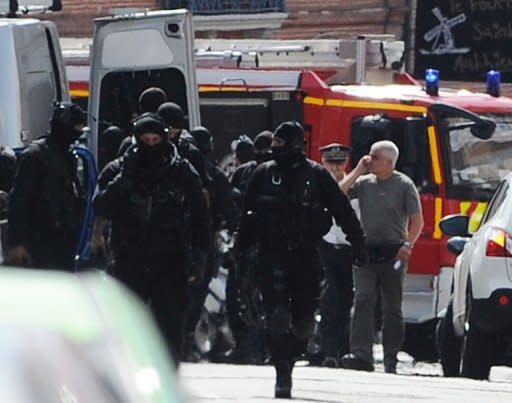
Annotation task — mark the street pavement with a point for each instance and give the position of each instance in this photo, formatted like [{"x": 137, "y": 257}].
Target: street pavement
[{"x": 414, "y": 382}]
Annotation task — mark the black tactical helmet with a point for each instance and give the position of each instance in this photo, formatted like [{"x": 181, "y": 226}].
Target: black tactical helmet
[
  {"x": 292, "y": 133},
  {"x": 67, "y": 122},
  {"x": 203, "y": 139},
  {"x": 172, "y": 114},
  {"x": 262, "y": 144},
  {"x": 244, "y": 149},
  {"x": 68, "y": 115},
  {"x": 263, "y": 141},
  {"x": 291, "y": 152},
  {"x": 150, "y": 99},
  {"x": 149, "y": 123}
]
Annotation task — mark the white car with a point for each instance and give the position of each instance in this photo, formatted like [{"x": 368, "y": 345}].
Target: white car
[{"x": 478, "y": 322}]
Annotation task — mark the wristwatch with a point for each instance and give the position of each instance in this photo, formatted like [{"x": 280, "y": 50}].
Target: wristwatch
[{"x": 407, "y": 244}]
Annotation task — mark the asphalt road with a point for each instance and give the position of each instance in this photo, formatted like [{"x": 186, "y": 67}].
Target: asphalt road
[{"x": 414, "y": 382}]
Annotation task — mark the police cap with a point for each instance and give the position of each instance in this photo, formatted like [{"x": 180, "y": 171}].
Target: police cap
[{"x": 335, "y": 152}]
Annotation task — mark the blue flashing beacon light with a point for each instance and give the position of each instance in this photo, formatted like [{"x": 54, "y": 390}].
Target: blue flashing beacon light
[
  {"x": 493, "y": 83},
  {"x": 432, "y": 82}
]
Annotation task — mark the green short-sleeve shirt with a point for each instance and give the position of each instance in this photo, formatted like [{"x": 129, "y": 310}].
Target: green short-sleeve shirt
[{"x": 386, "y": 206}]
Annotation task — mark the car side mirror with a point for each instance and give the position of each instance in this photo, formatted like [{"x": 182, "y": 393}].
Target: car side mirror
[
  {"x": 456, "y": 244},
  {"x": 455, "y": 225}
]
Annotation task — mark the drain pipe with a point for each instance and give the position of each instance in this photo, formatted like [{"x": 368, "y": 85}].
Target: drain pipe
[{"x": 361, "y": 59}]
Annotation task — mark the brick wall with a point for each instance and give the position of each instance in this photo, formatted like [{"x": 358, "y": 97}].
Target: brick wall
[
  {"x": 338, "y": 18},
  {"x": 306, "y": 18}
]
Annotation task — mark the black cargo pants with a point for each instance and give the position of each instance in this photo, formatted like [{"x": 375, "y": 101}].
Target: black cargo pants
[{"x": 289, "y": 281}]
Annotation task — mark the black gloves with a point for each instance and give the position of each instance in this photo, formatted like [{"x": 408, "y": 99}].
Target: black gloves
[{"x": 359, "y": 255}]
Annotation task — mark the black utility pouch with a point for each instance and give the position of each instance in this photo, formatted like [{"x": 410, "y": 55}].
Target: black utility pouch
[{"x": 382, "y": 253}]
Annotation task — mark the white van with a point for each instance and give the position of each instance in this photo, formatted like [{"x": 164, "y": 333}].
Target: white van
[
  {"x": 136, "y": 51},
  {"x": 32, "y": 78}
]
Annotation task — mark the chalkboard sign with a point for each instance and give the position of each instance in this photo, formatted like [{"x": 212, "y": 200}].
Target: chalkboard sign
[{"x": 464, "y": 38}]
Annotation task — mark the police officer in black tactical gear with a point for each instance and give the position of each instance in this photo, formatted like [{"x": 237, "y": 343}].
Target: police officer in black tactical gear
[
  {"x": 249, "y": 347},
  {"x": 291, "y": 200},
  {"x": 149, "y": 100},
  {"x": 46, "y": 202},
  {"x": 223, "y": 213},
  {"x": 244, "y": 150},
  {"x": 262, "y": 153},
  {"x": 174, "y": 116},
  {"x": 153, "y": 203}
]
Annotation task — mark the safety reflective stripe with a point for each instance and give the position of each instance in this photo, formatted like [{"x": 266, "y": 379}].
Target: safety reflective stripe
[
  {"x": 436, "y": 164},
  {"x": 464, "y": 207},
  {"x": 376, "y": 105},
  {"x": 438, "y": 215},
  {"x": 79, "y": 93},
  {"x": 475, "y": 211},
  {"x": 476, "y": 218},
  {"x": 223, "y": 88},
  {"x": 314, "y": 101}
]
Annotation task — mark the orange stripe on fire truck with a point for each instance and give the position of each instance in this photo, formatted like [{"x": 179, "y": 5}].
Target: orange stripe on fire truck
[
  {"x": 79, "y": 93},
  {"x": 375, "y": 105},
  {"x": 314, "y": 101},
  {"x": 438, "y": 215}
]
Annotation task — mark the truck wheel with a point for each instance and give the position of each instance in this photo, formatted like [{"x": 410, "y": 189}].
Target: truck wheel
[
  {"x": 420, "y": 341},
  {"x": 448, "y": 344},
  {"x": 478, "y": 356}
]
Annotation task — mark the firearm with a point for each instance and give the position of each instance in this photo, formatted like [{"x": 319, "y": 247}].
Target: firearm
[{"x": 247, "y": 293}]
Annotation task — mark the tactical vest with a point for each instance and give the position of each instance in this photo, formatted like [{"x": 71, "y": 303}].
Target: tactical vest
[
  {"x": 61, "y": 195},
  {"x": 290, "y": 208},
  {"x": 153, "y": 218}
]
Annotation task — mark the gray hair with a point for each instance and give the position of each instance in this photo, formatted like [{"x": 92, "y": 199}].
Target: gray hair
[{"x": 388, "y": 148}]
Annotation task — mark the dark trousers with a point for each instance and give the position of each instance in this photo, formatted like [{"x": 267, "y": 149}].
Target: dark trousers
[
  {"x": 366, "y": 280},
  {"x": 290, "y": 288},
  {"x": 160, "y": 281},
  {"x": 336, "y": 298}
]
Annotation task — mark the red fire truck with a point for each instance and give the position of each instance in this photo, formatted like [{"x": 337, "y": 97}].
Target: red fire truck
[{"x": 455, "y": 145}]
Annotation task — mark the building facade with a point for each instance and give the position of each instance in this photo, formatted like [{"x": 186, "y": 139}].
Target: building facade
[{"x": 288, "y": 19}]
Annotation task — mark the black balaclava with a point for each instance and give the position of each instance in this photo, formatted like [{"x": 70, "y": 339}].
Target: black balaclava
[
  {"x": 244, "y": 149},
  {"x": 151, "y": 156},
  {"x": 173, "y": 115},
  {"x": 262, "y": 146},
  {"x": 110, "y": 141},
  {"x": 150, "y": 99},
  {"x": 65, "y": 118},
  {"x": 203, "y": 139},
  {"x": 291, "y": 153}
]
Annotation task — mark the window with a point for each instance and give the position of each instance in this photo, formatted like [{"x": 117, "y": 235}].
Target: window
[{"x": 497, "y": 200}]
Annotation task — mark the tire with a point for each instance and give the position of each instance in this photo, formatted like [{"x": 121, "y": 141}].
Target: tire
[
  {"x": 448, "y": 345},
  {"x": 479, "y": 348}
]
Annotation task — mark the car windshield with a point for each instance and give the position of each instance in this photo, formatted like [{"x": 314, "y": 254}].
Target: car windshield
[{"x": 476, "y": 163}]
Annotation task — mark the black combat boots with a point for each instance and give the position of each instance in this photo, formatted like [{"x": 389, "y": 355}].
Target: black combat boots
[{"x": 284, "y": 380}]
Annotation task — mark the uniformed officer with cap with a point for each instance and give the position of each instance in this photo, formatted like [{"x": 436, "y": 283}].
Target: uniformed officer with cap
[{"x": 335, "y": 254}]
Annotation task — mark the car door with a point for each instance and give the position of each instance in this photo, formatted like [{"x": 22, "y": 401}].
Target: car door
[
  {"x": 473, "y": 255},
  {"x": 133, "y": 52}
]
